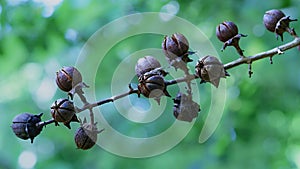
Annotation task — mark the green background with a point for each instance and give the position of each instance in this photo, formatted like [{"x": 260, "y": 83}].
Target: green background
[{"x": 261, "y": 122}]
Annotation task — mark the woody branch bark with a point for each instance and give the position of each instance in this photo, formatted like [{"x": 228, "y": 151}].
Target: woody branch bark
[
  {"x": 247, "y": 60},
  {"x": 270, "y": 53},
  {"x": 243, "y": 60}
]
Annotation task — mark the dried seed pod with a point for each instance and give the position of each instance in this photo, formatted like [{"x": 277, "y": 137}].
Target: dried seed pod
[
  {"x": 146, "y": 64},
  {"x": 86, "y": 136},
  {"x": 25, "y": 126},
  {"x": 210, "y": 69},
  {"x": 226, "y": 31},
  {"x": 67, "y": 78},
  {"x": 177, "y": 45},
  {"x": 175, "y": 49},
  {"x": 185, "y": 109},
  {"x": 276, "y": 21},
  {"x": 271, "y": 18},
  {"x": 152, "y": 86},
  {"x": 63, "y": 110}
]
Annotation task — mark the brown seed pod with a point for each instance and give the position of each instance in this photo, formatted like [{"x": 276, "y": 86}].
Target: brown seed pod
[
  {"x": 25, "y": 126},
  {"x": 185, "y": 109},
  {"x": 276, "y": 21},
  {"x": 146, "y": 64},
  {"x": 67, "y": 78},
  {"x": 152, "y": 86},
  {"x": 63, "y": 110},
  {"x": 210, "y": 69},
  {"x": 86, "y": 136},
  {"x": 271, "y": 18},
  {"x": 176, "y": 45},
  {"x": 226, "y": 31},
  {"x": 176, "y": 49}
]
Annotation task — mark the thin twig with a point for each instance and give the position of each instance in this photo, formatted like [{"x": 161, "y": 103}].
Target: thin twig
[
  {"x": 44, "y": 123},
  {"x": 269, "y": 53},
  {"x": 111, "y": 99},
  {"x": 92, "y": 116},
  {"x": 182, "y": 79}
]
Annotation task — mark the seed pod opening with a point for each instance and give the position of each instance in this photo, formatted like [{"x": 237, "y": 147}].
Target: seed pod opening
[
  {"x": 226, "y": 30},
  {"x": 146, "y": 64},
  {"x": 176, "y": 51},
  {"x": 63, "y": 110},
  {"x": 152, "y": 86},
  {"x": 25, "y": 126},
  {"x": 210, "y": 69},
  {"x": 176, "y": 45},
  {"x": 67, "y": 78}
]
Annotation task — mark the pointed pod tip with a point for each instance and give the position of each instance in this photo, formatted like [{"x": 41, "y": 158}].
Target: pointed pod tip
[
  {"x": 56, "y": 123},
  {"x": 157, "y": 99},
  {"x": 215, "y": 82},
  {"x": 167, "y": 93},
  {"x": 202, "y": 81},
  {"x": 40, "y": 115},
  {"x": 226, "y": 73},
  {"x": 68, "y": 125}
]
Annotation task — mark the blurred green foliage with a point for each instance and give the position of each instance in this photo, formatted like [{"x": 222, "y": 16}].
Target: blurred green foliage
[{"x": 261, "y": 122}]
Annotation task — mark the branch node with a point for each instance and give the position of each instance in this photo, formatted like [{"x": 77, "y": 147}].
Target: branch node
[{"x": 279, "y": 52}]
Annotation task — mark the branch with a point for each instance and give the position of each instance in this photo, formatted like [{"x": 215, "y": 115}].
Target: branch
[
  {"x": 44, "y": 123},
  {"x": 187, "y": 78},
  {"x": 111, "y": 99},
  {"x": 182, "y": 79},
  {"x": 270, "y": 53},
  {"x": 245, "y": 60}
]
